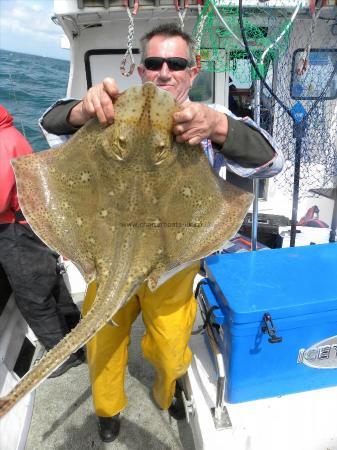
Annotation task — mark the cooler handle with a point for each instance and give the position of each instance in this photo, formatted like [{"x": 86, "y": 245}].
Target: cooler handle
[
  {"x": 268, "y": 327},
  {"x": 217, "y": 314}
]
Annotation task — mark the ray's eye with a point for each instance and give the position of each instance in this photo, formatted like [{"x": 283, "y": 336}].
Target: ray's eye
[
  {"x": 162, "y": 154},
  {"x": 161, "y": 148},
  {"x": 120, "y": 147},
  {"x": 117, "y": 149},
  {"x": 122, "y": 142}
]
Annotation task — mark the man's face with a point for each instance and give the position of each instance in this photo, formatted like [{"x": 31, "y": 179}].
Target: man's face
[{"x": 176, "y": 82}]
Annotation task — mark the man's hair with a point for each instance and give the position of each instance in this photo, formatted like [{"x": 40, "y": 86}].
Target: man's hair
[{"x": 169, "y": 30}]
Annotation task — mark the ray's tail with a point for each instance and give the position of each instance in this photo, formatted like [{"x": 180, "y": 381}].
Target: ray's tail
[{"x": 103, "y": 309}]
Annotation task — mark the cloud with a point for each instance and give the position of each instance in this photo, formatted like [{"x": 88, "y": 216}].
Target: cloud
[{"x": 31, "y": 18}]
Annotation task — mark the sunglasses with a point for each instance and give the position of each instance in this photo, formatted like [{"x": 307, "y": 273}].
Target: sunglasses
[{"x": 174, "y": 63}]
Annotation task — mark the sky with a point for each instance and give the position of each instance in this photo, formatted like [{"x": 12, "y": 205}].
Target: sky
[{"x": 26, "y": 27}]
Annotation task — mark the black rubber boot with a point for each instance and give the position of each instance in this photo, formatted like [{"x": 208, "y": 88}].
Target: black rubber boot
[
  {"x": 177, "y": 409},
  {"x": 108, "y": 428}
]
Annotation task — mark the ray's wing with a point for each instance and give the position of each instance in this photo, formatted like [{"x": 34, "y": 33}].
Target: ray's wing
[
  {"x": 208, "y": 210},
  {"x": 197, "y": 211},
  {"x": 57, "y": 192}
]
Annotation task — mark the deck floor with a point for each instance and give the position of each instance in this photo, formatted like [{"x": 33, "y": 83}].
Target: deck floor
[{"x": 63, "y": 415}]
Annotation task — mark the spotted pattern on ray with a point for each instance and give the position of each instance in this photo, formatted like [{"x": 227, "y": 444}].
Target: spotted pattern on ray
[{"x": 126, "y": 204}]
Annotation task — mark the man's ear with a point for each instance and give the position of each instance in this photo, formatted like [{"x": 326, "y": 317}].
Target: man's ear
[
  {"x": 141, "y": 70},
  {"x": 193, "y": 73}
]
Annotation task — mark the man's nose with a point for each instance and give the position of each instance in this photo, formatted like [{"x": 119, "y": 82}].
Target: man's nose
[{"x": 165, "y": 72}]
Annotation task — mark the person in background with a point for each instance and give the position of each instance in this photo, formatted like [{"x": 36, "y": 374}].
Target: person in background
[
  {"x": 30, "y": 266},
  {"x": 168, "y": 60}
]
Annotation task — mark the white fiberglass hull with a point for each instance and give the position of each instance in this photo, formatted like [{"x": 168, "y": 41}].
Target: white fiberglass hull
[{"x": 303, "y": 421}]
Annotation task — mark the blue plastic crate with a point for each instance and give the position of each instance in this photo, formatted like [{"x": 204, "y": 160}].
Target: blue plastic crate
[{"x": 297, "y": 289}]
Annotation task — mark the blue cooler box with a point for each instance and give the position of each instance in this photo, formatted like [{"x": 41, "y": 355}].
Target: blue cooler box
[{"x": 277, "y": 319}]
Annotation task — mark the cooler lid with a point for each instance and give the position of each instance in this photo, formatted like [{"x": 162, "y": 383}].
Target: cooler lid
[{"x": 285, "y": 282}]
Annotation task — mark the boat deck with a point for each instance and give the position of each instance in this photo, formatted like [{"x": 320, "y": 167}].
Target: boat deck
[{"x": 63, "y": 415}]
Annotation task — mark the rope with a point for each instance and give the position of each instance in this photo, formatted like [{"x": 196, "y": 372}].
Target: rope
[
  {"x": 199, "y": 34},
  {"x": 181, "y": 11},
  {"x": 226, "y": 25},
  {"x": 181, "y": 16},
  {"x": 128, "y": 53},
  {"x": 254, "y": 64},
  {"x": 284, "y": 31}
]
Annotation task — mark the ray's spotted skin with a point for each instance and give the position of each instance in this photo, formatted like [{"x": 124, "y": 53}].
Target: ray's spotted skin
[{"x": 126, "y": 204}]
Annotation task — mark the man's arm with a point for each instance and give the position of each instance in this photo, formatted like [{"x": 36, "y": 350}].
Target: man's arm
[
  {"x": 247, "y": 149},
  {"x": 245, "y": 145},
  {"x": 66, "y": 116},
  {"x": 98, "y": 102},
  {"x": 56, "y": 120}
]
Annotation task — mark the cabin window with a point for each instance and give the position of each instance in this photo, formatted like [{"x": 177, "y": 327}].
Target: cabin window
[
  {"x": 203, "y": 88},
  {"x": 103, "y": 63},
  {"x": 310, "y": 78}
]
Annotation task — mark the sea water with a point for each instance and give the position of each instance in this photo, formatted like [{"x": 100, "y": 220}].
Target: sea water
[{"x": 29, "y": 84}]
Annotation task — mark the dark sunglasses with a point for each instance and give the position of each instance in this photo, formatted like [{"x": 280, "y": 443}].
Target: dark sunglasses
[{"x": 174, "y": 63}]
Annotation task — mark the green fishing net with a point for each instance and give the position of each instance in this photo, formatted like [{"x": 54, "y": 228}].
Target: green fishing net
[
  {"x": 219, "y": 43},
  {"x": 295, "y": 51}
]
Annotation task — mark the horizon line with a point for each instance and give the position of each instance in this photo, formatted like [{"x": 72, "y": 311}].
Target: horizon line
[{"x": 34, "y": 54}]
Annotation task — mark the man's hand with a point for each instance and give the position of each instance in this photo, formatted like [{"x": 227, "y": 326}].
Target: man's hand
[
  {"x": 98, "y": 102},
  {"x": 196, "y": 121}
]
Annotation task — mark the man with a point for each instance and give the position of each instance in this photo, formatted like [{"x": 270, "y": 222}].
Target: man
[
  {"x": 30, "y": 266},
  {"x": 169, "y": 312}
]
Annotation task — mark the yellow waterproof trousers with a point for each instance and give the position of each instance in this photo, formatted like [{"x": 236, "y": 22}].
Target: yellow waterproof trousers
[{"x": 168, "y": 315}]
